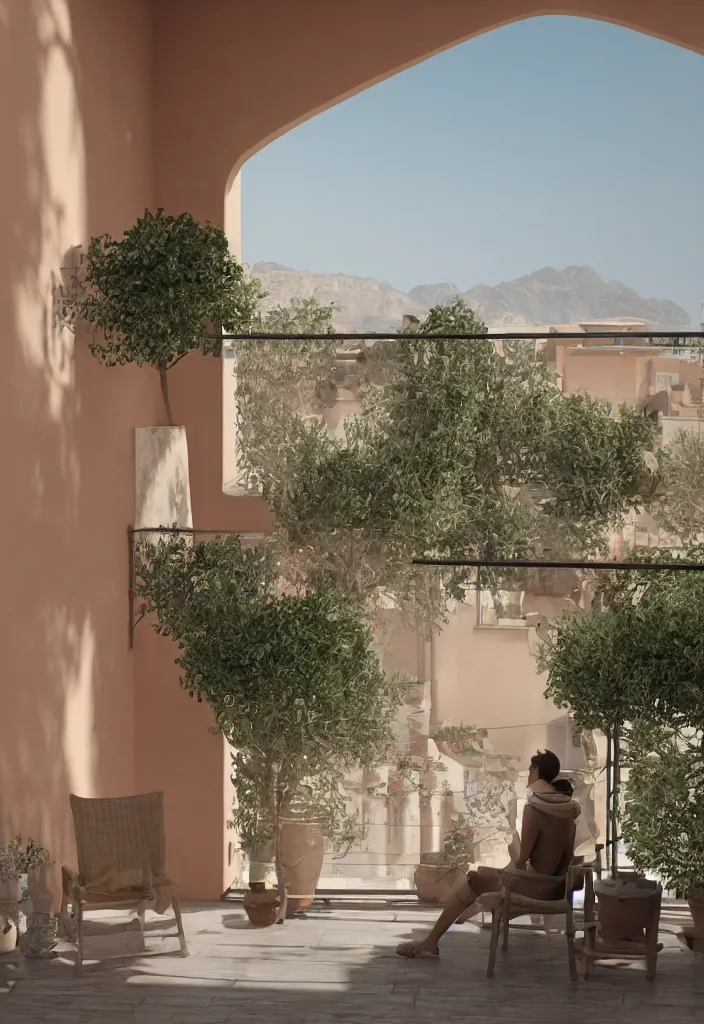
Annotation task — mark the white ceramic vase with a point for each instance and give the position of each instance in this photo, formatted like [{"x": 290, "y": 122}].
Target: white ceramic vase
[{"x": 9, "y": 915}]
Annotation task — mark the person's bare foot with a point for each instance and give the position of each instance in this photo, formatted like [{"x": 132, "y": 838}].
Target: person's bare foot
[
  {"x": 414, "y": 950},
  {"x": 467, "y": 915}
]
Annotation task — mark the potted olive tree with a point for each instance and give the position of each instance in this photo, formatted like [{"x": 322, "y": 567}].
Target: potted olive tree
[
  {"x": 635, "y": 669},
  {"x": 663, "y": 822},
  {"x": 292, "y": 677}
]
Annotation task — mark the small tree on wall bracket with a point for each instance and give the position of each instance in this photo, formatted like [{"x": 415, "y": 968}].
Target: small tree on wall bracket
[{"x": 163, "y": 290}]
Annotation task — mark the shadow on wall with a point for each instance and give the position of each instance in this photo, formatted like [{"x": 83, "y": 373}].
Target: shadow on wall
[{"x": 77, "y": 162}]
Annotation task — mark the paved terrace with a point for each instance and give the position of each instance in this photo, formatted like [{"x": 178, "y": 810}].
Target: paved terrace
[{"x": 337, "y": 966}]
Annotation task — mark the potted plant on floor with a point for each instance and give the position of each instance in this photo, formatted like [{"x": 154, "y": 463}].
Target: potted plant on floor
[
  {"x": 663, "y": 822},
  {"x": 292, "y": 677},
  {"x": 438, "y": 873},
  {"x": 636, "y": 669}
]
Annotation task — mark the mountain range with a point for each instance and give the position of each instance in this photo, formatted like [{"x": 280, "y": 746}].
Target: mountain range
[{"x": 546, "y": 296}]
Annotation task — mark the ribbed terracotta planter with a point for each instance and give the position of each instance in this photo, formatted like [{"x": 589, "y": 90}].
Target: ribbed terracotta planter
[{"x": 302, "y": 851}]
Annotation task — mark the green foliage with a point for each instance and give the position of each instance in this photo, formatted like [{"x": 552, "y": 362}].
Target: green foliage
[
  {"x": 277, "y": 382},
  {"x": 642, "y": 659},
  {"x": 458, "y": 452},
  {"x": 293, "y": 678},
  {"x": 639, "y": 663},
  {"x": 154, "y": 292},
  {"x": 663, "y": 823},
  {"x": 679, "y": 506}
]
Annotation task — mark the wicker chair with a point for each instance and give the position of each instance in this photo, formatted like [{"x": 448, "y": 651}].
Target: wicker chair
[
  {"x": 507, "y": 905},
  {"x": 121, "y": 846}
]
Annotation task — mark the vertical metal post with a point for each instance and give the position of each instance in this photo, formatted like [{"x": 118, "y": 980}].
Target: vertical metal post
[
  {"x": 607, "y": 841},
  {"x": 616, "y": 800},
  {"x": 130, "y": 592},
  {"x": 478, "y": 597}
]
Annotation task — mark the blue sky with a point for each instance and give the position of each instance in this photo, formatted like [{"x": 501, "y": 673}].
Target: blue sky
[{"x": 553, "y": 141}]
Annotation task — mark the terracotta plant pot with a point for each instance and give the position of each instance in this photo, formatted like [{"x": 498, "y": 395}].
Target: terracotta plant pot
[
  {"x": 302, "y": 851},
  {"x": 624, "y": 908},
  {"x": 435, "y": 882},
  {"x": 261, "y": 905},
  {"x": 696, "y": 909}
]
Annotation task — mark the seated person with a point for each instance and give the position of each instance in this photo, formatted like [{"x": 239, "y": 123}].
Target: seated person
[{"x": 546, "y": 848}]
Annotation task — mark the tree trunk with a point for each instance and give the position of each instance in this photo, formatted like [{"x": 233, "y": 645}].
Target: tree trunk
[
  {"x": 278, "y": 805},
  {"x": 163, "y": 380}
]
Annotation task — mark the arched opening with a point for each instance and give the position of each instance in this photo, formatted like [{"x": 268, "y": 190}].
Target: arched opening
[{"x": 606, "y": 201}]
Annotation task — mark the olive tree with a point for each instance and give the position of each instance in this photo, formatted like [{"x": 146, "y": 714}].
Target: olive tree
[
  {"x": 635, "y": 669},
  {"x": 663, "y": 822},
  {"x": 640, "y": 659},
  {"x": 460, "y": 450},
  {"x": 163, "y": 290},
  {"x": 679, "y": 504}
]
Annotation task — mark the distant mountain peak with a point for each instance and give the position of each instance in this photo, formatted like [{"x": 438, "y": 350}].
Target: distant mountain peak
[{"x": 546, "y": 296}]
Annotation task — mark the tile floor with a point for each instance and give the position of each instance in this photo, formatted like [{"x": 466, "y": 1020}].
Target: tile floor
[{"x": 337, "y": 965}]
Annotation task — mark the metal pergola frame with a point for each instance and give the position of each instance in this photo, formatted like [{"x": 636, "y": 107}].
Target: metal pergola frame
[{"x": 528, "y": 335}]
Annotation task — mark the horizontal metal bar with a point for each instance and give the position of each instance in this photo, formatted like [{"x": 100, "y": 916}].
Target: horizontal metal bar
[
  {"x": 176, "y": 529},
  {"x": 342, "y": 892},
  {"x": 502, "y": 336},
  {"x": 527, "y": 564}
]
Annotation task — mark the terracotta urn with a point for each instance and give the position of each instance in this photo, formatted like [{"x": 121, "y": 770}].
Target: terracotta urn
[
  {"x": 261, "y": 905},
  {"x": 302, "y": 851}
]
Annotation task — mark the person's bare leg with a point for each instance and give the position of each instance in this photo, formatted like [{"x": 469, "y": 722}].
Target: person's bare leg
[
  {"x": 452, "y": 910},
  {"x": 461, "y": 904}
]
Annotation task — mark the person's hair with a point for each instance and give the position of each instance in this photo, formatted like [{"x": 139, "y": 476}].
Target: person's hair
[
  {"x": 563, "y": 786},
  {"x": 547, "y": 763}
]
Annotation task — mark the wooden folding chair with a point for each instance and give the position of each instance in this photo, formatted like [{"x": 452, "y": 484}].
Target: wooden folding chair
[
  {"x": 121, "y": 846},
  {"x": 507, "y": 905}
]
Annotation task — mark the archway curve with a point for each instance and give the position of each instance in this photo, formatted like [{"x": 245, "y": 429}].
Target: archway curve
[{"x": 231, "y": 78}]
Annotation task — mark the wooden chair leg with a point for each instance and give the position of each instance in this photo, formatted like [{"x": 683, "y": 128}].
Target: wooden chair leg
[
  {"x": 651, "y": 942},
  {"x": 506, "y": 922},
  {"x": 179, "y": 925},
  {"x": 589, "y": 944},
  {"x": 569, "y": 930},
  {"x": 78, "y": 911},
  {"x": 496, "y": 916},
  {"x": 142, "y": 916}
]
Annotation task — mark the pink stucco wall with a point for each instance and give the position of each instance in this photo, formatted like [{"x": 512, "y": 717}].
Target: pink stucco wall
[{"x": 109, "y": 106}]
